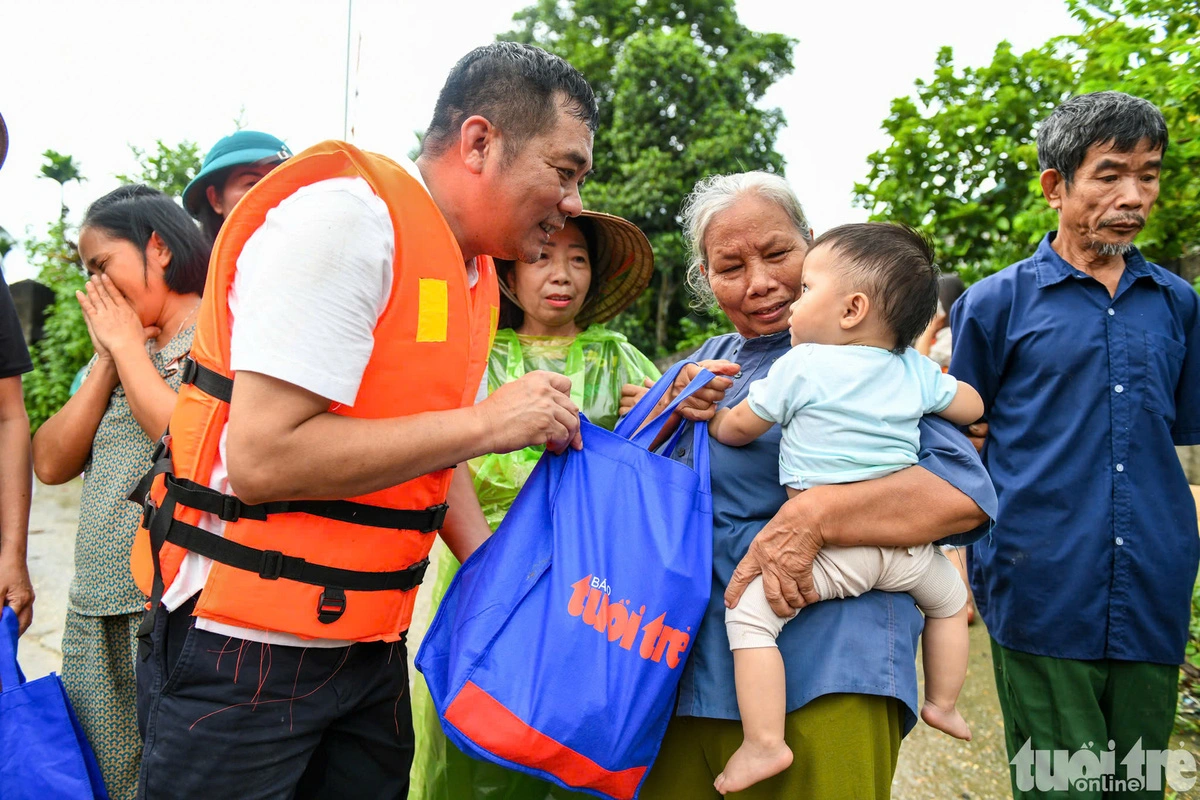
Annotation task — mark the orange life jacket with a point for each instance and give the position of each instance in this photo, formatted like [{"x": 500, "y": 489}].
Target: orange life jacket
[{"x": 344, "y": 569}]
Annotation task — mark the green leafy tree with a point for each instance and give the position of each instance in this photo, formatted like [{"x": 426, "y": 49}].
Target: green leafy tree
[
  {"x": 62, "y": 169},
  {"x": 679, "y": 83},
  {"x": 166, "y": 168},
  {"x": 65, "y": 346},
  {"x": 963, "y": 158}
]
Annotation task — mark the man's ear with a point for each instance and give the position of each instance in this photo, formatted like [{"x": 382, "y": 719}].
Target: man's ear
[
  {"x": 478, "y": 141},
  {"x": 855, "y": 310},
  {"x": 1053, "y": 188}
]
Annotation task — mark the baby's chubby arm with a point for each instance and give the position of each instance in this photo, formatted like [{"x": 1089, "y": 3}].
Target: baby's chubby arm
[
  {"x": 739, "y": 426},
  {"x": 965, "y": 408}
]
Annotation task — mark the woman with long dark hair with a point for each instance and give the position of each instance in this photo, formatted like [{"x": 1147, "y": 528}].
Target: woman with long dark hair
[{"x": 147, "y": 263}]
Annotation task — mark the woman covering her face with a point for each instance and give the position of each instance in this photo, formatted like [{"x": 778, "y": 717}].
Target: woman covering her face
[
  {"x": 147, "y": 263},
  {"x": 551, "y": 319}
]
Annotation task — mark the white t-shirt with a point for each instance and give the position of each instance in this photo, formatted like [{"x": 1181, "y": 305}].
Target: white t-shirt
[
  {"x": 310, "y": 286},
  {"x": 848, "y": 412}
]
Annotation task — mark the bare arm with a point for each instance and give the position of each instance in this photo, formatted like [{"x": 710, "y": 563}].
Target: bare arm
[
  {"x": 909, "y": 507},
  {"x": 738, "y": 426},
  {"x": 965, "y": 408},
  {"x": 284, "y": 445},
  {"x": 151, "y": 399},
  {"x": 63, "y": 443},
  {"x": 16, "y": 589},
  {"x": 466, "y": 528}
]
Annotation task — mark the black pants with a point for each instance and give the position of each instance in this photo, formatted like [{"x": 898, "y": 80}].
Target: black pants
[{"x": 227, "y": 718}]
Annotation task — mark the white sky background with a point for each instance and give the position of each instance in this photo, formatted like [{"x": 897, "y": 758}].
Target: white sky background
[{"x": 89, "y": 78}]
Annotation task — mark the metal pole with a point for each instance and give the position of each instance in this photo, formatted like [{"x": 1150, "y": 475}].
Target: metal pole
[{"x": 346, "y": 106}]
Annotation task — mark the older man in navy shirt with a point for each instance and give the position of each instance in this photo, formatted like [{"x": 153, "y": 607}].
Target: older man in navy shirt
[{"x": 1088, "y": 360}]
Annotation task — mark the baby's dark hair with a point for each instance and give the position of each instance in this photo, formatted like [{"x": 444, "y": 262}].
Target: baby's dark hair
[{"x": 893, "y": 266}]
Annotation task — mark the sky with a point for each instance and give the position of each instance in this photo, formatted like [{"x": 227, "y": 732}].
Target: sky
[{"x": 90, "y": 79}]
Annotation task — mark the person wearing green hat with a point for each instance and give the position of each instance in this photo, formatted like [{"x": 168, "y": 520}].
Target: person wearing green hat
[{"x": 230, "y": 169}]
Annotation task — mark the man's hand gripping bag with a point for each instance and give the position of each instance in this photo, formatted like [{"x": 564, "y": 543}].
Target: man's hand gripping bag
[{"x": 559, "y": 646}]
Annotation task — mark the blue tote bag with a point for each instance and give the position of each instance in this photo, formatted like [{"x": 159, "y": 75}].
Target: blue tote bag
[
  {"x": 559, "y": 646},
  {"x": 43, "y": 752}
]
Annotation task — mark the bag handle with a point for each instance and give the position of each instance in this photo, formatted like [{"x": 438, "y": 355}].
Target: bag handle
[
  {"x": 10, "y": 673},
  {"x": 646, "y": 436},
  {"x": 629, "y": 423}
]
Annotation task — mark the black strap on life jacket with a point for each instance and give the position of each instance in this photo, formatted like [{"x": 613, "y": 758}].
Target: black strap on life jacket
[{"x": 207, "y": 381}]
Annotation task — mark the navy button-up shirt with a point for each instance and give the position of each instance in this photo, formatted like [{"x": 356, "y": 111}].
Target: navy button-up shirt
[
  {"x": 1095, "y": 550},
  {"x": 862, "y": 645}
]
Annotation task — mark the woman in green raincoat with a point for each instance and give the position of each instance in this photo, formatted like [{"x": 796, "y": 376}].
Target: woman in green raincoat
[{"x": 551, "y": 318}]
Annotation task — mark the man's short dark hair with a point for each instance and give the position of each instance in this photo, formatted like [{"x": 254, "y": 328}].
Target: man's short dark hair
[
  {"x": 518, "y": 88},
  {"x": 1099, "y": 118},
  {"x": 893, "y": 266}
]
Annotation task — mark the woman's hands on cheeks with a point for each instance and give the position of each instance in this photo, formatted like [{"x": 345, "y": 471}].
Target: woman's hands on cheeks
[
  {"x": 783, "y": 553},
  {"x": 111, "y": 321}
]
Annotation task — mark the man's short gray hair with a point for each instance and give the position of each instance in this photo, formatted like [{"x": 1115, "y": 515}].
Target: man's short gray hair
[
  {"x": 719, "y": 193},
  {"x": 1099, "y": 118}
]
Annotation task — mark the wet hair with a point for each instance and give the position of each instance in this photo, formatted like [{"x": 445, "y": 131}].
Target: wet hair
[
  {"x": 511, "y": 315},
  {"x": 518, "y": 88},
  {"x": 135, "y": 212},
  {"x": 715, "y": 194},
  {"x": 1099, "y": 118},
  {"x": 950, "y": 288},
  {"x": 893, "y": 266}
]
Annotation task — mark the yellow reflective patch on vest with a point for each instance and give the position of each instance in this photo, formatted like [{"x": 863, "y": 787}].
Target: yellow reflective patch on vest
[
  {"x": 432, "y": 310},
  {"x": 494, "y": 322}
]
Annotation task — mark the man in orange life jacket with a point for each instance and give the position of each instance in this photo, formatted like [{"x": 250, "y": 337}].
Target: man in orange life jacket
[{"x": 343, "y": 336}]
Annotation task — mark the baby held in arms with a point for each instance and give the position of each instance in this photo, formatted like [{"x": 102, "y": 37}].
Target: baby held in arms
[{"x": 848, "y": 396}]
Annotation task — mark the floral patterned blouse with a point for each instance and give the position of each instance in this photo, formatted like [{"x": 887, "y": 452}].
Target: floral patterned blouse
[{"x": 103, "y": 584}]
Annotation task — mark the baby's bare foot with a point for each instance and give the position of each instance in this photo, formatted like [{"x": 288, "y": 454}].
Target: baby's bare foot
[
  {"x": 751, "y": 764},
  {"x": 950, "y": 721}
]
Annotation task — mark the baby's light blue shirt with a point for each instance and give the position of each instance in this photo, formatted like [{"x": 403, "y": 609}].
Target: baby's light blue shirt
[{"x": 848, "y": 412}]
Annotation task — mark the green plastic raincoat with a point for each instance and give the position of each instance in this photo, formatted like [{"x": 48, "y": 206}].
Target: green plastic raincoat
[{"x": 598, "y": 362}]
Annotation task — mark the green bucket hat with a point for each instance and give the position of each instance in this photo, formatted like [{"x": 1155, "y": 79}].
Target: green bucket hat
[{"x": 243, "y": 147}]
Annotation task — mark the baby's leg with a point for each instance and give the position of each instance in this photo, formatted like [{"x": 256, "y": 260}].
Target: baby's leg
[
  {"x": 941, "y": 594},
  {"x": 761, "y": 685}
]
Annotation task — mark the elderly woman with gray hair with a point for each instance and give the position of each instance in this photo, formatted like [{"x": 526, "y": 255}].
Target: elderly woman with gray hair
[{"x": 851, "y": 664}]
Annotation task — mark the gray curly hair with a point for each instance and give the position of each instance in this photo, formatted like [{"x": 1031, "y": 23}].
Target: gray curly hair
[{"x": 715, "y": 194}]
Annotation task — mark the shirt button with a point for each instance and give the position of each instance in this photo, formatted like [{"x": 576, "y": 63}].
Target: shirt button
[
  {"x": 1120, "y": 467},
  {"x": 739, "y": 374},
  {"x": 1111, "y": 312},
  {"x": 1119, "y": 541},
  {"x": 1118, "y": 388},
  {"x": 680, "y": 452}
]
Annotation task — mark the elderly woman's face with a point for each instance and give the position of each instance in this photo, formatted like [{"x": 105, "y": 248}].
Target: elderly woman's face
[{"x": 755, "y": 259}]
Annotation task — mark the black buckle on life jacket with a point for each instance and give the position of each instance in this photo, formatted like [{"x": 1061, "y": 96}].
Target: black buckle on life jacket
[
  {"x": 271, "y": 566},
  {"x": 187, "y": 371},
  {"x": 331, "y": 606},
  {"x": 231, "y": 508},
  {"x": 148, "y": 509},
  {"x": 438, "y": 518}
]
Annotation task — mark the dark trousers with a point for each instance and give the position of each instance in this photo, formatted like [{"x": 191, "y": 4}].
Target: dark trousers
[
  {"x": 228, "y": 718},
  {"x": 1061, "y": 704}
]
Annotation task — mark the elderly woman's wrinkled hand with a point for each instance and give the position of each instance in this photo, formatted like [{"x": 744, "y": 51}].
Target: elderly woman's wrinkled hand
[
  {"x": 701, "y": 406},
  {"x": 783, "y": 553}
]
